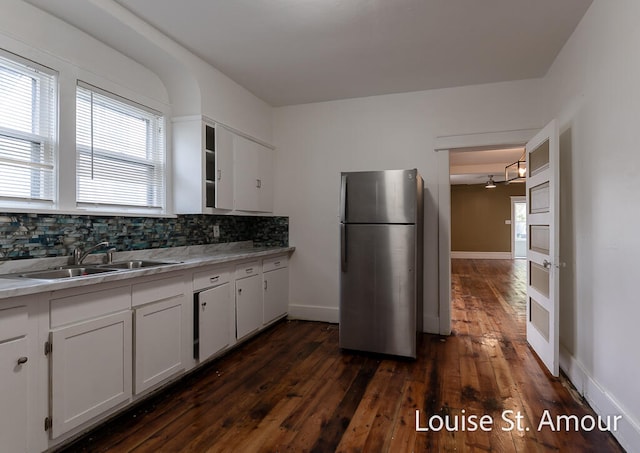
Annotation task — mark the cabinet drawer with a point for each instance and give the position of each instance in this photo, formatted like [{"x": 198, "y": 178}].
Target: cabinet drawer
[
  {"x": 210, "y": 278},
  {"x": 270, "y": 264},
  {"x": 155, "y": 290},
  {"x": 67, "y": 310},
  {"x": 248, "y": 269},
  {"x": 13, "y": 322}
]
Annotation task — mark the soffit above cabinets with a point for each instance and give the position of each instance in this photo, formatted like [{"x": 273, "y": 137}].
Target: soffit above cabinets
[{"x": 299, "y": 51}]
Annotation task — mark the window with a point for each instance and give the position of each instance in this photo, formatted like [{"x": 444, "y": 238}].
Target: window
[
  {"x": 120, "y": 153},
  {"x": 27, "y": 132}
]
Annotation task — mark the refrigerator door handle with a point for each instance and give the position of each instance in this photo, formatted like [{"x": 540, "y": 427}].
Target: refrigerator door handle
[
  {"x": 343, "y": 247},
  {"x": 343, "y": 199}
]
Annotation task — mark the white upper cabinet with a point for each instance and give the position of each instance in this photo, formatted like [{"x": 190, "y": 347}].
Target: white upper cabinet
[
  {"x": 202, "y": 167},
  {"x": 217, "y": 171},
  {"x": 253, "y": 187}
]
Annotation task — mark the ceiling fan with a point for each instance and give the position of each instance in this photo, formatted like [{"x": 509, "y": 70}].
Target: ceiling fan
[{"x": 490, "y": 183}]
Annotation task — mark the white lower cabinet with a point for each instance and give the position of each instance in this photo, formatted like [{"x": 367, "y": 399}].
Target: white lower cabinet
[
  {"x": 14, "y": 391},
  {"x": 158, "y": 342},
  {"x": 90, "y": 370},
  {"x": 160, "y": 336},
  {"x": 248, "y": 299},
  {"x": 13, "y": 395},
  {"x": 108, "y": 344},
  {"x": 213, "y": 309},
  {"x": 275, "y": 278}
]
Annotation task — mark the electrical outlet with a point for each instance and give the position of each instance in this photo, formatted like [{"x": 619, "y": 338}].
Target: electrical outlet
[{"x": 216, "y": 231}]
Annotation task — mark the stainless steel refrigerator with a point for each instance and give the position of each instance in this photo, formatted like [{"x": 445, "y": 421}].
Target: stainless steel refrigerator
[{"x": 381, "y": 249}]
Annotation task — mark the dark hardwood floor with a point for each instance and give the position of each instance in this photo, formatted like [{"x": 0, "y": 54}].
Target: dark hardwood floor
[{"x": 292, "y": 389}]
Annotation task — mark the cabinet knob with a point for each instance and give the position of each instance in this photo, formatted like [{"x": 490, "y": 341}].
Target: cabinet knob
[
  {"x": 239, "y": 290},
  {"x": 204, "y": 304},
  {"x": 22, "y": 360}
]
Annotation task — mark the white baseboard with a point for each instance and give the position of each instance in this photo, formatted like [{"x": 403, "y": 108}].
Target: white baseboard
[
  {"x": 314, "y": 313},
  {"x": 482, "y": 255},
  {"x": 628, "y": 433}
]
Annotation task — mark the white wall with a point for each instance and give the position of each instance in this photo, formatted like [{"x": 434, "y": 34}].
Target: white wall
[
  {"x": 593, "y": 89},
  {"x": 315, "y": 142},
  {"x": 33, "y": 34},
  {"x": 195, "y": 87}
]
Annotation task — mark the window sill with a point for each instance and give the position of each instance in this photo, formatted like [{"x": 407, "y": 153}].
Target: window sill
[{"x": 88, "y": 212}]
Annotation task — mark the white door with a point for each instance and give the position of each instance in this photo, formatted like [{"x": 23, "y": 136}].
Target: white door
[
  {"x": 90, "y": 370},
  {"x": 14, "y": 398},
  {"x": 276, "y": 294},
  {"x": 158, "y": 342},
  {"x": 213, "y": 321},
  {"x": 518, "y": 227},
  {"x": 543, "y": 245},
  {"x": 248, "y": 305}
]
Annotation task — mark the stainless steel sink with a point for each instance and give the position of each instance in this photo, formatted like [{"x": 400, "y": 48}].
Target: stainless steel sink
[
  {"x": 72, "y": 271},
  {"x": 133, "y": 264},
  {"x": 54, "y": 274}
]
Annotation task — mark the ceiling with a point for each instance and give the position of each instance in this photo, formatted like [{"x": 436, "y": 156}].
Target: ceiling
[
  {"x": 475, "y": 165},
  {"x": 299, "y": 51}
]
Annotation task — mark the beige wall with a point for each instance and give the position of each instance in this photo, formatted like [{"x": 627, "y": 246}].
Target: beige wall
[{"x": 478, "y": 215}]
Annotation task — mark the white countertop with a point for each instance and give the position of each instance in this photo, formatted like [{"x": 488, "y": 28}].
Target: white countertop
[{"x": 183, "y": 257}]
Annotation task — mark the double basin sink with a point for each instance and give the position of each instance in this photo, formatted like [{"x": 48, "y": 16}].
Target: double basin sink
[{"x": 86, "y": 270}]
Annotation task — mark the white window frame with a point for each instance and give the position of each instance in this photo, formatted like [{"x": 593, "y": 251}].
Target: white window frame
[
  {"x": 43, "y": 136},
  {"x": 155, "y": 160}
]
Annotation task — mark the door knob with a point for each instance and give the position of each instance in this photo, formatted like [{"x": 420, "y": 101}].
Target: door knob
[{"x": 546, "y": 264}]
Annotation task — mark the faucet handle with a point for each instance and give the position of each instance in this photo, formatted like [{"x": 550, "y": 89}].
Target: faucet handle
[
  {"x": 109, "y": 257},
  {"x": 77, "y": 253}
]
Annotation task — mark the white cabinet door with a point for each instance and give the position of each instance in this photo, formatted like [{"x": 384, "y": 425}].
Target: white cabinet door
[
  {"x": 253, "y": 176},
  {"x": 203, "y": 168},
  {"x": 224, "y": 168},
  {"x": 90, "y": 370},
  {"x": 14, "y": 398},
  {"x": 246, "y": 174},
  {"x": 159, "y": 342},
  {"x": 265, "y": 178},
  {"x": 214, "y": 306},
  {"x": 276, "y": 294},
  {"x": 248, "y": 305}
]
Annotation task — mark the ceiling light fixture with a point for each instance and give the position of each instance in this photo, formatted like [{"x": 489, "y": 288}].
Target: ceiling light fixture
[
  {"x": 490, "y": 184},
  {"x": 515, "y": 171}
]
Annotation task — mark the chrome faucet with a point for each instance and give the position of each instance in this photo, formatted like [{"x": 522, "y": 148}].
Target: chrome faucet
[{"x": 79, "y": 255}]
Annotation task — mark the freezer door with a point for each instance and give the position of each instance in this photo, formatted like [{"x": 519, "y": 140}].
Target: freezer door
[
  {"x": 378, "y": 289},
  {"x": 379, "y": 196}
]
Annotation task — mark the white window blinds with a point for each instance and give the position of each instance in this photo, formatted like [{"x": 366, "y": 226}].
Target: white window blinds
[
  {"x": 120, "y": 152},
  {"x": 27, "y": 132}
]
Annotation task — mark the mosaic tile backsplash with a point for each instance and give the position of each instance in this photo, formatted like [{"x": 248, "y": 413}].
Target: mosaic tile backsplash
[{"x": 24, "y": 236}]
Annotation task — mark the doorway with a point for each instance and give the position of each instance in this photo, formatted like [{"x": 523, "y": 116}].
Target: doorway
[
  {"x": 443, "y": 145},
  {"x": 518, "y": 227}
]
